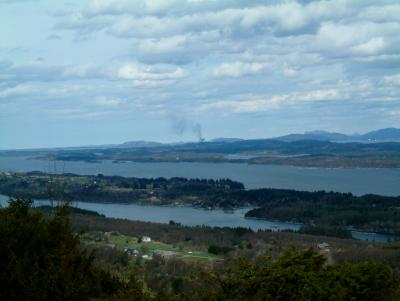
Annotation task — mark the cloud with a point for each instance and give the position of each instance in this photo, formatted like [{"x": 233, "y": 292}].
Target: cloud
[
  {"x": 105, "y": 101},
  {"x": 237, "y": 58},
  {"x": 35, "y": 91},
  {"x": 239, "y": 106},
  {"x": 41, "y": 71},
  {"x": 395, "y": 113},
  {"x": 184, "y": 31},
  {"x": 142, "y": 74},
  {"x": 372, "y": 46},
  {"x": 18, "y": 91},
  {"x": 238, "y": 69},
  {"x": 319, "y": 95},
  {"x": 268, "y": 103},
  {"x": 287, "y": 71},
  {"x": 244, "y": 106},
  {"x": 392, "y": 79}
]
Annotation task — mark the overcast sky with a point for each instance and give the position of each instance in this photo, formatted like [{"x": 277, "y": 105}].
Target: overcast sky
[{"x": 108, "y": 71}]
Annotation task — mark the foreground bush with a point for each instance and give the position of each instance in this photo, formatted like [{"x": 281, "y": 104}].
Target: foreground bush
[
  {"x": 299, "y": 276},
  {"x": 40, "y": 259}
]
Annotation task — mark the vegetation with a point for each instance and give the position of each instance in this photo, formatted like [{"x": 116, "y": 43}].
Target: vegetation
[
  {"x": 70, "y": 187},
  {"x": 325, "y": 231},
  {"x": 219, "y": 249},
  {"x": 302, "y": 275},
  {"x": 42, "y": 259},
  {"x": 372, "y": 213},
  {"x": 244, "y": 242},
  {"x": 151, "y": 249}
]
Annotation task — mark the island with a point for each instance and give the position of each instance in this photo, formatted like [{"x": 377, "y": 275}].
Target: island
[{"x": 371, "y": 213}]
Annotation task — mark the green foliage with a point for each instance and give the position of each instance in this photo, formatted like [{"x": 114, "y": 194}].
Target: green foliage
[
  {"x": 300, "y": 276},
  {"x": 40, "y": 258},
  {"x": 334, "y": 231},
  {"x": 219, "y": 249}
]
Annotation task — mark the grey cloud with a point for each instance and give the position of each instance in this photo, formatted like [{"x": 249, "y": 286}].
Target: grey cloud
[{"x": 186, "y": 31}]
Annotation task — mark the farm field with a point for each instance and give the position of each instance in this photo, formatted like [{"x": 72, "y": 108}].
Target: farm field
[{"x": 146, "y": 250}]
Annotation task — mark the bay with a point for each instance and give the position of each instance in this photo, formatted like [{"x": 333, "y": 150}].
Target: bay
[
  {"x": 195, "y": 217},
  {"x": 384, "y": 181}
]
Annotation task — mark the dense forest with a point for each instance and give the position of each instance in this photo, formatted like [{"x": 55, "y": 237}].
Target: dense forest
[
  {"x": 44, "y": 259},
  {"x": 330, "y": 209},
  {"x": 70, "y": 187}
]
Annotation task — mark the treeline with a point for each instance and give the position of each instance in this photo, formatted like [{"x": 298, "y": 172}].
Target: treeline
[
  {"x": 372, "y": 213},
  {"x": 42, "y": 259},
  {"x": 100, "y": 188},
  {"x": 322, "y": 230}
]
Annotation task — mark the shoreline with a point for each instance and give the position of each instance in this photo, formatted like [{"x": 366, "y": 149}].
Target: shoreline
[{"x": 353, "y": 230}]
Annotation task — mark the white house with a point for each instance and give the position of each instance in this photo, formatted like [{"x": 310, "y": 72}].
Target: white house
[{"x": 146, "y": 239}]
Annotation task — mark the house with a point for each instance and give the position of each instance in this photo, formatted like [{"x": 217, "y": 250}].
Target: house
[
  {"x": 323, "y": 246},
  {"x": 146, "y": 239}
]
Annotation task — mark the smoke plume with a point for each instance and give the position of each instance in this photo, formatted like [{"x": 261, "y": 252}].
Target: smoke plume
[{"x": 182, "y": 125}]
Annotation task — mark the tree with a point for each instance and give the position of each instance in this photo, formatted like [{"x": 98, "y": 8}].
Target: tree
[
  {"x": 41, "y": 259},
  {"x": 300, "y": 276}
]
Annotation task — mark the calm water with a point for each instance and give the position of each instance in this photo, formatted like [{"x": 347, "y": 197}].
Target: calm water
[
  {"x": 358, "y": 181},
  {"x": 193, "y": 217}
]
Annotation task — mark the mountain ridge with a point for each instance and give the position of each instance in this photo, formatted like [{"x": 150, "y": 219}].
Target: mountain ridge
[{"x": 382, "y": 135}]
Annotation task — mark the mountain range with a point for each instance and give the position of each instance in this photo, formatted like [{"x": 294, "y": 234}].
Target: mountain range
[{"x": 382, "y": 135}]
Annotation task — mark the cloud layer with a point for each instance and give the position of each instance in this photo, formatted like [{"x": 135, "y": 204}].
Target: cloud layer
[{"x": 260, "y": 68}]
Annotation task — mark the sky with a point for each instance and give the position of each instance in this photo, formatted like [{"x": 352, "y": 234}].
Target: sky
[{"x": 109, "y": 71}]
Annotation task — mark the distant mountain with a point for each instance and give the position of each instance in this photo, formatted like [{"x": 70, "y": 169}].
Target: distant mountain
[
  {"x": 140, "y": 144},
  {"x": 226, "y": 140},
  {"x": 314, "y": 135},
  {"x": 382, "y": 135},
  {"x": 388, "y": 134}
]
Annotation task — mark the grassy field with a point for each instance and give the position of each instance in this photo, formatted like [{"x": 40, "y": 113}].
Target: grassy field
[{"x": 123, "y": 242}]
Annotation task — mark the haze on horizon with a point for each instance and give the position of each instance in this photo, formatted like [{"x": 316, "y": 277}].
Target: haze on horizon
[{"x": 107, "y": 71}]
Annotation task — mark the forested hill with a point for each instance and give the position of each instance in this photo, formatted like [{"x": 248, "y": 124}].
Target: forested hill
[
  {"x": 369, "y": 212},
  {"x": 258, "y": 151}
]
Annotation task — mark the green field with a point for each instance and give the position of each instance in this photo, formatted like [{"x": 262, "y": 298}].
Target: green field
[{"x": 154, "y": 247}]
